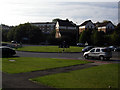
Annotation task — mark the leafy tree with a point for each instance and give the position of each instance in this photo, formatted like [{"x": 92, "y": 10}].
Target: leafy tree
[
  {"x": 4, "y": 35},
  {"x": 97, "y": 38},
  {"x": 55, "y": 20},
  {"x": 115, "y": 38},
  {"x": 32, "y": 34},
  {"x": 11, "y": 34},
  {"x": 104, "y": 21},
  {"x": 83, "y": 37}
]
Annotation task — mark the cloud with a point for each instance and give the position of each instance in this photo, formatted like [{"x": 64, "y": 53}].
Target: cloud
[
  {"x": 83, "y": 11},
  {"x": 21, "y": 11}
]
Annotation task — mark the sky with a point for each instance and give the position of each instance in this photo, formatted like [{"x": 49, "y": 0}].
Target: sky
[{"x": 15, "y": 12}]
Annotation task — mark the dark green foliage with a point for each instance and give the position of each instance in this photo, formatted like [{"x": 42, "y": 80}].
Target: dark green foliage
[
  {"x": 115, "y": 38},
  {"x": 4, "y": 35},
  {"x": 92, "y": 37},
  {"x": 52, "y": 40},
  {"x": 11, "y": 33},
  {"x": 97, "y": 38},
  {"x": 55, "y": 20},
  {"x": 25, "y": 33},
  {"x": 69, "y": 37},
  {"x": 85, "y": 36}
]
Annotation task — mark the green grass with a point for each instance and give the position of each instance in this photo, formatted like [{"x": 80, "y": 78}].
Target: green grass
[
  {"x": 28, "y": 64},
  {"x": 49, "y": 49},
  {"x": 95, "y": 77},
  {"x": 0, "y": 64}
]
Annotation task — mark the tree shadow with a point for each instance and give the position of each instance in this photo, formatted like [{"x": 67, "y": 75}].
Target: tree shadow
[{"x": 9, "y": 56}]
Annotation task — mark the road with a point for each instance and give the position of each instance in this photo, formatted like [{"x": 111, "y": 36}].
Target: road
[
  {"x": 49, "y": 55},
  {"x": 115, "y": 58}
]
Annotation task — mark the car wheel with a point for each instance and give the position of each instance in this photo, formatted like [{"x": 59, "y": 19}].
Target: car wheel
[
  {"x": 86, "y": 56},
  {"x": 101, "y": 57}
]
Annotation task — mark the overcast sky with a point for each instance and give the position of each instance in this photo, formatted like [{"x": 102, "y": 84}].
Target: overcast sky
[{"x": 15, "y": 12}]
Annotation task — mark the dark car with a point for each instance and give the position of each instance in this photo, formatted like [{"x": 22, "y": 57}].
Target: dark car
[
  {"x": 87, "y": 48},
  {"x": 5, "y": 44},
  {"x": 112, "y": 48},
  {"x": 80, "y": 44},
  {"x": 6, "y": 51},
  {"x": 117, "y": 49}
]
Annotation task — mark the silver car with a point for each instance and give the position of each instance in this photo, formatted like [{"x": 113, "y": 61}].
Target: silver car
[{"x": 98, "y": 52}]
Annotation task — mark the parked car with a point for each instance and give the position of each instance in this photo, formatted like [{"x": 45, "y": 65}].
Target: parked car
[
  {"x": 6, "y": 44},
  {"x": 87, "y": 48},
  {"x": 117, "y": 49},
  {"x": 112, "y": 48},
  {"x": 80, "y": 44},
  {"x": 99, "y": 52},
  {"x": 13, "y": 42},
  {"x": 7, "y": 51}
]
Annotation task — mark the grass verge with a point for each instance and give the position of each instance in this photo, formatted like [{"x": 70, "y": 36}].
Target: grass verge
[
  {"x": 28, "y": 64},
  {"x": 49, "y": 49},
  {"x": 95, "y": 77}
]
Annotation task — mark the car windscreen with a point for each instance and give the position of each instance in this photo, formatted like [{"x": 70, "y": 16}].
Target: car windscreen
[{"x": 87, "y": 47}]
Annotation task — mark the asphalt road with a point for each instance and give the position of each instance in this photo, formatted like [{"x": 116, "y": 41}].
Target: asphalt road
[
  {"x": 50, "y": 55},
  {"x": 115, "y": 55}
]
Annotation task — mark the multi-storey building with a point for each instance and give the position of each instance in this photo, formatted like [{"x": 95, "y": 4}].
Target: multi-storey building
[
  {"x": 5, "y": 27},
  {"x": 45, "y": 27}
]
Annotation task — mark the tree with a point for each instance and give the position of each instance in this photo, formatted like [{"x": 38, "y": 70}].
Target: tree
[
  {"x": 11, "y": 34},
  {"x": 104, "y": 21},
  {"x": 115, "y": 38},
  {"x": 4, "y": 35},
  {"x": 55, "y": 20},
  {"x": 26, "y": 33},
  {"x": 97, "y": 38},
  {"x": 83, "y": 37}
]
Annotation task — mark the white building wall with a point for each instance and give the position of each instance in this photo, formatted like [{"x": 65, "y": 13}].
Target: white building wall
[
  {"x": 102, "y": 27},
  {"x": 81, "y": 27},
  {"x": 57, "y": 25}
]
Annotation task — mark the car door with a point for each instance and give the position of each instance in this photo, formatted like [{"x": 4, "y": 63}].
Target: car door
[
  {"x": 97, "y": 52},
  {"x": 92, "y": 53}
]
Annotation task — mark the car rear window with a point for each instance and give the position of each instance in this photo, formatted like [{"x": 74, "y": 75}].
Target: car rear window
[{"x": 106, "y": 50}]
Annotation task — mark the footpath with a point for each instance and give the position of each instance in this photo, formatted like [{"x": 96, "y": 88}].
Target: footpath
[{"x": 21, "y": 80}]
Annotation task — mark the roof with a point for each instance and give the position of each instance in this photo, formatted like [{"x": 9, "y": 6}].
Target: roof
[
  {"x": 98, "y": 24},
  {"x": 84, "y": 23},
  {"x": 43, "y": 23},
  {"x": 66, "y": 23}
]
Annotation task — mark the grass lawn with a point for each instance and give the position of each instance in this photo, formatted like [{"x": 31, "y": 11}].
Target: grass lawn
[
  {"x": 49, "y": 49},
  {"x": 28, "y": 64},
  {"x": 94, "y": 77}
]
